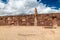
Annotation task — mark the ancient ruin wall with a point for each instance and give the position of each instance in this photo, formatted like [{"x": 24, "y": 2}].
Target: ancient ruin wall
[
  {"x": 29, "y": 20},
  {"x": 23, "y": 20}
]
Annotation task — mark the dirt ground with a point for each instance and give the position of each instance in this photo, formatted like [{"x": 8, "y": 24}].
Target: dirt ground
[{"x": 28, "y": 33}]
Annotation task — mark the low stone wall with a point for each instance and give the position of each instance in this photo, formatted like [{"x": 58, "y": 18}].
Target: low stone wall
[
  {"x": 29, "y": 20},
  {"x": 23, "y": 20}
]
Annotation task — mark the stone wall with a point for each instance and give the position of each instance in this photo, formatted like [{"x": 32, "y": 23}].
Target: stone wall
[
  {"x": 44, "y": 20},
  {"x": 22, "y": 20},
  {"x": 28, "y": 20}
]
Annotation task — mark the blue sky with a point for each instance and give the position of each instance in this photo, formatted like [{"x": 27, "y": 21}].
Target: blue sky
[
  {"x": 4, "y": 1},
  {"x": 51, "y": 3},
  {"x": 16, "y": 7}
]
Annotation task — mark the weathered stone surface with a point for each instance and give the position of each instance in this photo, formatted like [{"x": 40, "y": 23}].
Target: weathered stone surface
[{"x": 28, "y": 20}]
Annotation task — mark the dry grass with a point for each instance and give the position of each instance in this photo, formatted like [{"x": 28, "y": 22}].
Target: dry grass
[{"x": 28, "y": 33}]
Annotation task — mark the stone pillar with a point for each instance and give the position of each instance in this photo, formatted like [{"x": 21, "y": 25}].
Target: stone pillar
[
  {"x": 54, "y": 21},
  {"x": 35, "y": 17}
]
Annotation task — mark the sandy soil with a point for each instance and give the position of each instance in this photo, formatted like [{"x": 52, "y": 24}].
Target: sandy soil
[{"x": 28, "y": 33}]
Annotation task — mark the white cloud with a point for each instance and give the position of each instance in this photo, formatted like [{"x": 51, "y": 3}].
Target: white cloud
[
  {"x": 2, "y": 5},
  {"x": 15, "y": 7}
]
